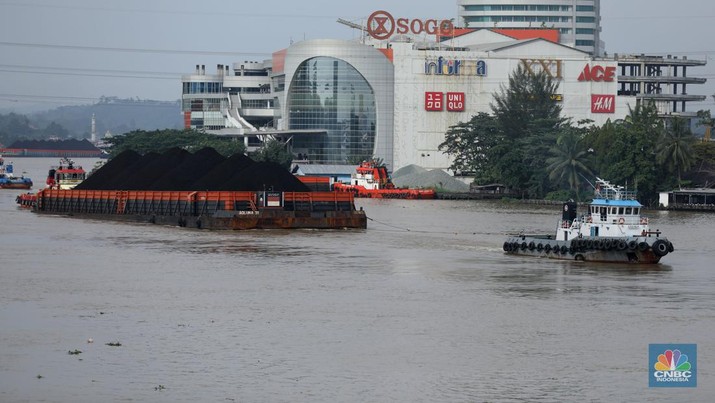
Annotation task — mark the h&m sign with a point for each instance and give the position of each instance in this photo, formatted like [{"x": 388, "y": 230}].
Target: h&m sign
[{"x": 603, "y": 103}]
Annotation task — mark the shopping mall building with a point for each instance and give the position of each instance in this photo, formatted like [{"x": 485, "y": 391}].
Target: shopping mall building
[{"x": 396, "y": 91}]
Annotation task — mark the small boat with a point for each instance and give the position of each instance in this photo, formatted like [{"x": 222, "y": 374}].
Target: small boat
[
  {"x": 8, "y": 180},
  {"x": 26, "y": 200},
  {"x": 372, "y": 180},
  {"x": 65, "y": 176},
  {"x": 612, "y": 230}
]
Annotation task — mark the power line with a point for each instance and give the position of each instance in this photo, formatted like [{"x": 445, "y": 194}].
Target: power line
[
  {"x": 222, "y": 13},
  {"x": 132, "y": 50},
  {"x": 84, "y": 69}
]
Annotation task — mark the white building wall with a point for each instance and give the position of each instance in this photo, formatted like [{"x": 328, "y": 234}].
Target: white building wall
[{"x": 418, "y": 132}]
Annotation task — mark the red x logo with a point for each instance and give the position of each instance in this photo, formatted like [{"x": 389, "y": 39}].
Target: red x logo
[{"x": 380, "y": 25}]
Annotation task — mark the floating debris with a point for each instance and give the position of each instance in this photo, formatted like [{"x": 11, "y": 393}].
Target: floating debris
[
  {"x": 90, "y": 340},
  {"x": 114, "y": 344},
  {"x": 40, "y": 376},
  {"x": 160, "y": 387},
  {"x": 75, "y": 352}
]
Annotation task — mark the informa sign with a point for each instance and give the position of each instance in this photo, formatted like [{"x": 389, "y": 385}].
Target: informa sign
[
  {"x": 434, "y": 101},
  {"x": 603, "y": 103}
]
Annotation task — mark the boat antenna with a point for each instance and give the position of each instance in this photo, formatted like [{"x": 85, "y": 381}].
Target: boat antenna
[{"x": 586, "y": 179}]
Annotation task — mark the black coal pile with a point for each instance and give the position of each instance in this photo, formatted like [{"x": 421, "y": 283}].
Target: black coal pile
[
  {"x": 214, "y": 178},
  {"x": 105, "y": 177},
  {"x": 154, "y": 169},
  {"x": 265, "y": 176},
  {"x": 178, "y": 169},
  {"x": 190, "y": 170}
]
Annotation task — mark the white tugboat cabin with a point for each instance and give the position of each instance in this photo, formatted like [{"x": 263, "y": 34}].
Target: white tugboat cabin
[{"x": 614, "y": 212}]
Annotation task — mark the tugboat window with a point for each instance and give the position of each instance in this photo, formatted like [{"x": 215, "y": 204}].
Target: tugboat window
[{"x": 628, "y": 210}]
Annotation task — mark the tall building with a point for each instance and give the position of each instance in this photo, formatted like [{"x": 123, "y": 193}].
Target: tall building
[{"x": 578, "y": 21}]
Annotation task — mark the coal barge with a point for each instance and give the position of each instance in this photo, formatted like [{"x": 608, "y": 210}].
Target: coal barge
[{"x": 161, "y": 189}]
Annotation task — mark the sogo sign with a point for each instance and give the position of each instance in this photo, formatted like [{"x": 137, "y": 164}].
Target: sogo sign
[{"x": 381, "y": 25}]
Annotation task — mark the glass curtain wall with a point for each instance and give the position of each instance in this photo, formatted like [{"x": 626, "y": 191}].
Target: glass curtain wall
[{"x": 329, "y": 94}]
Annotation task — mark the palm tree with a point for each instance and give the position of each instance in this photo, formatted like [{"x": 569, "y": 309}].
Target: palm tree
[
  {"x": 674, "y": 147},
  {"x": 569, "y": 159}
]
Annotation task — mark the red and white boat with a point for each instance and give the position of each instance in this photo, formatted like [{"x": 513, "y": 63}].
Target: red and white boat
[
  {"x": 65, "y": 176},
  {"x": 373, "y": 181}
]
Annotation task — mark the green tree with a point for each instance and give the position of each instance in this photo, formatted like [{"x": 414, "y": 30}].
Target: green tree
[
  {"x": 470, "y": 143},
  {"x": 511, "y": 145},
  {"x": 624, "y": 152},
  {"x": 570, "y": 159},
  {"x": 162, "y": 140},
  {"x": 274, "y": 151},
  {"x": 674, "y": 147},
  {"x": 529, "y": 119}
]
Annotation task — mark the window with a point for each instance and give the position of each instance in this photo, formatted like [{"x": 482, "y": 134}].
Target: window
[
  {"x": 584, "y": 43},
  {"x": 584, "y": 31},
  {"x": 329, "y": 94},
  {"x": 589, "y": 20},
  {"x": 585, "y": 8}
]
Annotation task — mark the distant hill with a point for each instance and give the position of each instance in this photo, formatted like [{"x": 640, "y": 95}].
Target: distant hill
[{"x": 114, "y": 115}]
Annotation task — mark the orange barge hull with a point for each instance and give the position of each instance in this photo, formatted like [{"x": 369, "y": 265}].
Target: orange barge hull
[{"x": 208, "y": 209}]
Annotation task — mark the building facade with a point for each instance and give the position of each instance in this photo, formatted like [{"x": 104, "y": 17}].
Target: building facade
[
  {"x": 395, "y": 97},
  {"x": 578, "y": 21}
]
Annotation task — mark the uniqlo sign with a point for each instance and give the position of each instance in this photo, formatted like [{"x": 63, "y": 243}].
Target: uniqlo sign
[
  {"x": 603, "y": 103},
  {"x": 455, "y": 101},
  {"x": 434, "y": 101}
]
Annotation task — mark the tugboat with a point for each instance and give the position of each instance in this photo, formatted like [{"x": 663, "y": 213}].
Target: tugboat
[
  {"x": 8, "y": 180},
  {"x": 372, "y": 180},
  {"x": 613, "y": 230},
  {"x": 66, "y": 175}
]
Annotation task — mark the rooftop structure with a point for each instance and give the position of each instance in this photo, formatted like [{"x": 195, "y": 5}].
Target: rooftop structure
[{"x": 578, "y": 22}]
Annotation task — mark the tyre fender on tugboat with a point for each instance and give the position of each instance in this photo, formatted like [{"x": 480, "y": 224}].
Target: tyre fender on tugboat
[{"x": 660, "y": 247}]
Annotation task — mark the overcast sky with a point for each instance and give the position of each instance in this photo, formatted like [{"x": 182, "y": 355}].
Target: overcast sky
[{"x": 57, "y": 52}]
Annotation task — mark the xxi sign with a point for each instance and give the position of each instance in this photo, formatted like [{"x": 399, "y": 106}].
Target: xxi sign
[
  {"x": 382, "y": 25},
  {"x": 551, "y": 67}
]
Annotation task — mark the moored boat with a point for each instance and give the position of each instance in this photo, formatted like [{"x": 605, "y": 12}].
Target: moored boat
[
  {"x": 65, "y": 176},
  {"x": 612, "y": 230},
  {"x": 372, "y": 180},
  {"x": 8, "y": 180}
]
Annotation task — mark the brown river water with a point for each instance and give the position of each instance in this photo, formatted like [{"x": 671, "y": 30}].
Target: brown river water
[{"x": 423, "y": 306}]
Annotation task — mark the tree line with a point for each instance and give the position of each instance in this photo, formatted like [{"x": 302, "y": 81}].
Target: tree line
[
  {"x": 14, "y": 127},
  {"x": 526, "y": 144}
]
